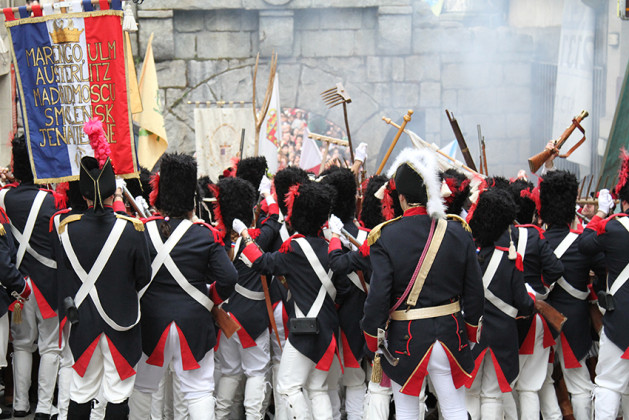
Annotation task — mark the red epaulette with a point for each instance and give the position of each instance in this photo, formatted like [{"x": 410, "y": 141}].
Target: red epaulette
[
  {"x": 52, "y": 218},
  {"x": 254, "y": 233},
  {"x": 286, "y": 246},
  {"x": 215, "y": 232},
  {"x": 539, "y": 229},
  {"x": 364, "y": 249},
  {"x": 11, "y": 185},
  {"x": 602, "y": 225}
]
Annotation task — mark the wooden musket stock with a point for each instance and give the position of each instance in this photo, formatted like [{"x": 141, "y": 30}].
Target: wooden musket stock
[{"x": 465, "y": 151}]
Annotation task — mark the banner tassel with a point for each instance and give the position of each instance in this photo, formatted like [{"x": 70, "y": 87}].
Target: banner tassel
[{"x": 128, "y": 23}]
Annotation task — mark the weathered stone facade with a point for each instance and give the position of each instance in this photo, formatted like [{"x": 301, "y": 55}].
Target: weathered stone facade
[{"x": 391, "y": 55}]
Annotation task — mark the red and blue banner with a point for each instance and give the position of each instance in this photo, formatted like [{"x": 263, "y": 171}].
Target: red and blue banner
[{"x": 71, "y": 68}]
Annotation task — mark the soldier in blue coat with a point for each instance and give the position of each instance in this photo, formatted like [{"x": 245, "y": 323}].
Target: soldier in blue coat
[
  {"x": 29, "y": 208},
  {"x": 506, "y": 299},
  {"x": 611, "y": 237},
  {"x": 426, "y": 331},
  {"x": 177, "y": 324},
  {"x": 312, "y": 345}
]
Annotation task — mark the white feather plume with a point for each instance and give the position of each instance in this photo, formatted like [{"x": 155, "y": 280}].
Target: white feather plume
[{"x": 424, "y": 162}]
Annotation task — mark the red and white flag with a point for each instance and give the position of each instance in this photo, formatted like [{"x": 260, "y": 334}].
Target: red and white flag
[
  {"x": 310, "y": 154},
  {"x": 271, "y": 129}
]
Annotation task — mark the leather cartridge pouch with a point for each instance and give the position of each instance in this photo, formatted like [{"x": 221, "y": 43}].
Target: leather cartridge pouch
[{"x": 302, "y": 326}]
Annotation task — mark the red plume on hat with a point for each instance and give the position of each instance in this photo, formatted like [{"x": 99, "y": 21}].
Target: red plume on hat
[
  {"x": 388, "y": 211},
  {"x": 98, "y": 140},
  {"x": 289, "y": 200},
  {"x": 61, "y": 195},
  {"x": 623, "y": 174},
  {"x": 154, "y": 194},
  {"x": 217, "y": 210}
]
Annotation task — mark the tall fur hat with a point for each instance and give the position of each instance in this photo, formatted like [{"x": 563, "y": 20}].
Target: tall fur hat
[
  {"x": 459, "y": 186},
  {"x": 416, "y": 177},
  {"x": 252, "y": 169},
  {"x": 558, "y": 197},
  {"x": 235, "y": 199},
  {"x": 522, "y": 191},
  {"x": 203, "y": 191},
  {"x": 497, "y": 182},
  {"x": 622, "y": 187},
  {"x": 309, "y": 207},
  {"x": 177, "y": 184},
  {"x": 344, "y": 183},
  {"x": 21, "y": 162},
  {"x": 285, "y": 179},
  {"x": 371, "y": 211},
  {"x": 495, "y": 211}
]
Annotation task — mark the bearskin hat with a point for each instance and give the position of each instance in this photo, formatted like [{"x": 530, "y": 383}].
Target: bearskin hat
[
  {"x": 558, "y": 197},
  {"x": 252, "y": 169},
  {"x": 21, "y": 162},
  {"x": 344, "y": 183},
  {"x": 495, "y": 211},
  {"x": 284, "y": 179},
  {"x": 459, "y": 186},
  {"x": 521, "y": 191},
  {"x": 309, "y": 207},
  {"x": 497, "y": 182},
  {"x": 177, "y": 184},
  {"x": 416, "y": 177},
  {"x": 236, "y": 199},
  {"x": 371, "y": 211},
  {"x": 203, "y": 191},
  {"x": 622, "y": 187}
]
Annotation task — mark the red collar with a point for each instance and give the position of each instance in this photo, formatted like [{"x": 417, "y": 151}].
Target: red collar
[{"x": 415, "y": 211}]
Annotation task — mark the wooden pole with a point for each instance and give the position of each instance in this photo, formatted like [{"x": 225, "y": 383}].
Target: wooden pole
[{"x": 407, "y": 118}]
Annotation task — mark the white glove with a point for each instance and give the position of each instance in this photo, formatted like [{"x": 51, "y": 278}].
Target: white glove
[
  {"x": 238, "y": 226},
  {"x": 605, "y": 201},
  {"x": 361, "y": 152},
  {"x": 335, "y": 224},
  {"x": 120, "y": 183},
  {"x": 265, "y": 185}
]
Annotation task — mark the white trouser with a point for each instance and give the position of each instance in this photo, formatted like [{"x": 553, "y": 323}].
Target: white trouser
[
  {"x": 484, "y": 397},
  {"x": 195, "y": 383},
  {"x": 333, "y": 382},
  {"x": 353, "y": 380},
  {"x": 297, "y": 372},
  {"x": 579, "y": 386},
  {"x": 276, "y": 352},
  {"x": 612, "y": 379},
  {"x": 377, "y": 402},
  {"x": 101, "y": 371},
  {"x": 4, "y": 339},
  {"x": 65, "y": 379},
  {"x": 35, "y": 332},
  {"x": 252, "y": 361},
  {"x": 451, "y": 400},
  {"x": 549, "y": 406}
]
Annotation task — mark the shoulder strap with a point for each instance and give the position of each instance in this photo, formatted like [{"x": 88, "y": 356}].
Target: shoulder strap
[
  {"x": 316, "y": 266},
  {"x": 624, "y": 274},
  {"x": 423, "y": 268},
  {"x": 3, "y": 193},
  {"x": 488, "y": 276},
  {"x": 25, "y": 237},
  {"x": 523, "y": 237},
  {"x": 565, "y": 244}
]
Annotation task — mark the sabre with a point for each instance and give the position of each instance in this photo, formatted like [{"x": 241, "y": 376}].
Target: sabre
[{"x": 382, "y": 348}]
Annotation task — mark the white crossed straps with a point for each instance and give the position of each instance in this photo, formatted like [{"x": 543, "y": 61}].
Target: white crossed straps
[
  {"x": 326, "y": 284},
  {"x": 163, "y": 258},
  {"x": 89, "y": 279},
  {"x": 353, "y": 277},
  {"x": 23, "y": 238},
  {"x": 562, "y": 282},
  {"x": 624, "y": 274},
  {"x": 507, "y": 309}
]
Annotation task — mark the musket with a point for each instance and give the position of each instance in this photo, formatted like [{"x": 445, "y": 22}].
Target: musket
[
  {"x": 483, "y": 154},
  {"x": 461, "y": 141},
  {"x": 140, "y": 211},
  {"x": 242, "y": 143},
  {"x": 536, "y": 162}
]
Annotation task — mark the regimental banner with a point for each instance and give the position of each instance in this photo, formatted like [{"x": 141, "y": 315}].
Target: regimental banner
[
  {"x": 218, "y": 133},
  {"x": 71, "y": 68}
]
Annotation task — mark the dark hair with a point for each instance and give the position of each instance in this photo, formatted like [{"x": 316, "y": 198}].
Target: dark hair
[
  {"x": 558, "y": 196},
  {"x": 494, "y": 212},
  {"x": 21, "y": 161}
]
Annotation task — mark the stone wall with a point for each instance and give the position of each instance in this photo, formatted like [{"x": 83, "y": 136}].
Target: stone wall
[{"x": 390, "y": 55}]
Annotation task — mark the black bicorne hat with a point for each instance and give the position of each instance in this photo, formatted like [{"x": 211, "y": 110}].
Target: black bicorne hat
[{"x": 96, "y": 184}]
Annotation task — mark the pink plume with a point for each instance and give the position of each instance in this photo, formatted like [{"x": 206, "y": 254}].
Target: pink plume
[{"x": 94, "y": 130}]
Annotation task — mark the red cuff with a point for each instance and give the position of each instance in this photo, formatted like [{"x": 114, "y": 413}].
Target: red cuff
[
  {"x": 273, "y": 209},
  {"x": 472, "y": 332},
  {"x": 26, "y": 292},
  {"x": 252, "y": 252},
  {"x": 595, "y": 225},
  {"x": 214, "y": 296},
  {"x": 335, "y": 243},
  {"x": 372, "y": 341},
  {"x": 119, "y": 206}
]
